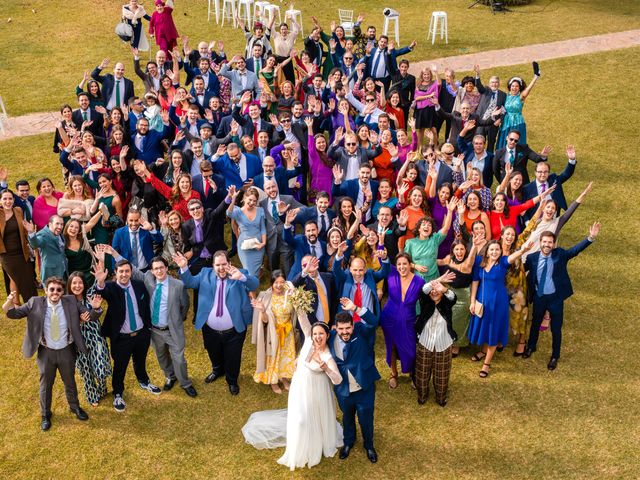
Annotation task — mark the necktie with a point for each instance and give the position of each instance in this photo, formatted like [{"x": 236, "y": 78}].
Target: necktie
[
  {"x": 55, "y": 324},
  {"x": 117, "y": 93},
  {"x": 312, "y": 249},
  {"x": 219, "y": 309},
  {"x": 255, "y": 133},
  {"x": 543, "y": 277},
  {"x": 157, "y": 300},
  {"x": 357, "y": 300},
  {"x": 133, "y": 325},
  {"x": 274, "y": 211},
  {"x": 206, "y": 187},
  {"x": 323, "y": 224},
  {"x": 512, "y": 158},
  {"x": 543, "y": 187},
  {"x": 258, "y": 66},
  {"x": 367, "y": 119},
  {"x": 237, "y": 166},
  {"x": 134, "y": 248},
  {"x": 318, "y": 94},
  {"x": 374, "y": 71},
  {"x": 322, "y": 298},
  {"x": 84, "y": 116},
  {"x": 198, "y": 231}
]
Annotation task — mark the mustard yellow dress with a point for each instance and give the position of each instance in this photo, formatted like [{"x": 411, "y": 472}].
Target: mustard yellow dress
[
  {"x": 516, "y": 281},
  {"x": 283, "y": 364}
]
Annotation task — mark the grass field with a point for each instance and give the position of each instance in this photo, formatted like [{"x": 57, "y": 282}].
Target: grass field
[
  {"x": 522, "y": 422},
  {"x": 45, "y": 53}
]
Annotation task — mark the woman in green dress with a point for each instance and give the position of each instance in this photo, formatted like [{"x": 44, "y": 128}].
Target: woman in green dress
[
  {"x": 77, "y": 250},
  {"x": 423, "y": 248},
  {"x": 108, "y": 203},
  {"x": 270, "y": 78}
]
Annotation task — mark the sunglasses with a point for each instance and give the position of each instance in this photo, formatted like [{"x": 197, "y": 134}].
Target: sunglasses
[
  {"x": 513, "y": 139},
  {"x": 369, "y": 100},
  {"x": 195, "y": 208},
  {"x": 54, "y": 290},
  {"x": 285, "y": 120},
  {"x": 350, "y": 144},
  {"x": 347, "y": 58}
]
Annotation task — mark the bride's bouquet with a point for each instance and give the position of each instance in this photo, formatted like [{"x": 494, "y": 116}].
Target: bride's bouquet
[{"x": 301, "y": 299}]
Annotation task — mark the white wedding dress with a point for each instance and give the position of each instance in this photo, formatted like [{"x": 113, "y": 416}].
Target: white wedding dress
[{"x": 308, "y": 427}]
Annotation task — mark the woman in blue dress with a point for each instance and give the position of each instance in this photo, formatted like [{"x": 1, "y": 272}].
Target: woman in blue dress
[
  {"x": 513, "y": 119},
  {"x": 252, "y": 231},
  {"x": 489, "y": 325}
]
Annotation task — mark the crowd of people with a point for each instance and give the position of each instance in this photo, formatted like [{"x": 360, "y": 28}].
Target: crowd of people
[{"x": 391, "y": 199}]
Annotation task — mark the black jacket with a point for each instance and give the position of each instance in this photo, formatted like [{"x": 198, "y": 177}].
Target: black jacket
[{"x": 428, "y": 306}]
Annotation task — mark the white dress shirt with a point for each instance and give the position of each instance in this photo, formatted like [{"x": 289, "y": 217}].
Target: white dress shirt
[
  {"x": 112, "y": 100},
  {"x": 139, "y": 324}
]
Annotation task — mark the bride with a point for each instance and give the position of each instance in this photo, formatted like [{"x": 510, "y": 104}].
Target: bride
[{"x": 308, "y": 427}]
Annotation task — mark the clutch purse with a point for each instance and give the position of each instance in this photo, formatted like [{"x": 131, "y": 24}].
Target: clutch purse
[
  {"x": 478, "y": 309},
  {"x": 249, "y": 244}
]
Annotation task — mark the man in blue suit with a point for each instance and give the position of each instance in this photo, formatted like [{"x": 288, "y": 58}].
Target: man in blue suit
[
  {"x": 544, "y": 180},
  {"x": 24, "y": 199},
  {"x": 359, "y": 282},
  {"x": 116, "y": 90},
  {"x": 135, "y": 242},
  {"x": 147, "y": 144},
  {"x": 352, "y": 348},
  {"x": 210, "y": 79},
  {"x": 476, "y": 154},
  {"x": 50, "y": 242},
  {"x": 307, "y": 244},
  {"x": 361, "y": 190},
  {"x": 278, "y": 174},
  {"x": 223, "y": 314},
  {"x": 381, "y": 61},
  {"x": 550, "y": 285},
  {"x": 236, "y": 167}
]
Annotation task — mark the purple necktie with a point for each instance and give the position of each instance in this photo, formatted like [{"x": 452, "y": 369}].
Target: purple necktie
[
  {"x": 198, "y": 231},
  {"x": 220, "y": 297}
]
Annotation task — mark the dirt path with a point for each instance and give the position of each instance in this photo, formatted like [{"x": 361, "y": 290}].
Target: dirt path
[{"x": 36, "y": 123}]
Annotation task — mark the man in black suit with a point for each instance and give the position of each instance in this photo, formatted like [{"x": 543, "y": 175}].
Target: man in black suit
[
  {"x": 459, "y": 120},
  {"x": 116, "y": 89},
  {"x": 405, "y": 84},
  {"x": 517, "y": 155},
  {"x": 550, "y": 286},
  {"x": 24, "y": 199},
  {"x": 351, "y": 156},
  {"x": 320, "y": 213},
  {"x": 544, "y": 180},
  {"x": 53, "y": 331},
  {"x": 444, "y": 166},
  {"x": 210, "y": 186},
  {"x": 275, "y": 206},
  {"x": 491, "y": 98},
  {"x": 87, "y": 114},
  {"x": 314, "y": 47},
  {"x": 127, "y": 324},
  {"x": 203, "y": 235},
  {"x": 446, "y": 99},
  {"x": 322, "y": 284},
  {"x": 392, "y": 230},
  {"x": 255, "y": 62},
  {"x": 251, "y": 123}
]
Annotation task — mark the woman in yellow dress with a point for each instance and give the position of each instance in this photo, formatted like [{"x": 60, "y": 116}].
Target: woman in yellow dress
[{"x": 273, "y": 333}]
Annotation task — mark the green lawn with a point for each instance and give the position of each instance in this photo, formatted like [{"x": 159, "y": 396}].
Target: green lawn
[
  {"x": 522, "y": 422},
  {"x": 45, "y": 53}
]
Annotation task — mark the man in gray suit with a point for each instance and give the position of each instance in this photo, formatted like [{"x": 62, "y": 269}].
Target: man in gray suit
[
  {"x": 241, "y": 78},
  {"x": 169, "y": 304},
  {"x": 275, "y": 206},
  {"x": 53, "y": 330},
  {"x": 51, "y": 244}
]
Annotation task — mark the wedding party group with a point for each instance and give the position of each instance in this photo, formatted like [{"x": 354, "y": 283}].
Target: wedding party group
[{"x": 302, "y": 192}]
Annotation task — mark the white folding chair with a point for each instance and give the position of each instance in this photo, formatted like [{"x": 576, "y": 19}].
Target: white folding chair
[
  {"x": 346, "y": 20},
  {"x": 229, "y": 11},
  {"x": 216, "y": 10},
  {"x": 395, "y": 18},
  {"x": 244, "y": 11},
  {"x": 258, "y": 10},
  {"x": 270, "y": 12},
  {"x": 296, "y": 16}
]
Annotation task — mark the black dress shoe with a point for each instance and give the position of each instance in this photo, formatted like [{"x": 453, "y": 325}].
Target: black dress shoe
[
  {"x": 168, "y": 385},
  {"x": 46, "y": 424},
  {"x": 212, "y": 377},
  {"x": 553, "y": 363},
  {"x": 234, "y": 389},
  {"x": 80, "y": 413},
  {"x": 527, "y": 353},
  {"x": 190, "y": 391},
  {"x": 372, "y": 455},
  {"x": 344, "y": 452}
]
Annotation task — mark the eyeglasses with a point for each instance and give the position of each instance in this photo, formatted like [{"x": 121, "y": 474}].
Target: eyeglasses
[
  {"x": 285, "y": 120},
  {"x": 54, "y": 290},
  {"x": 369, "y": 100},
  {"x": 195, "y": 208},
  {"x": 542, "y": 172},
  {"x": 350, "y": 144},
  {"x": 347, "y": 58}
]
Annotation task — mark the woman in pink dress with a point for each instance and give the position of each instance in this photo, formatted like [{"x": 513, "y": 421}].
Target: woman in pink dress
[
  {"x": 162, "y": 27},
  {"x": 46, "y": 203}
]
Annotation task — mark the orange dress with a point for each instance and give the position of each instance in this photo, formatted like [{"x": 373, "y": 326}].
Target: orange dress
[
  {"x": 384, "y": 167},
  {"x": 414, "y": 216}
]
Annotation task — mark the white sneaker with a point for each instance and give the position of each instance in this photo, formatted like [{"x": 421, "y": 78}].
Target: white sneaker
[
  {"x": 150, "y": 387},
  {"x": 118, "y": 403}
]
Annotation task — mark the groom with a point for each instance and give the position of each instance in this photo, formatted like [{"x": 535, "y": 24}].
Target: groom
[{"x": 352, "y": 349}]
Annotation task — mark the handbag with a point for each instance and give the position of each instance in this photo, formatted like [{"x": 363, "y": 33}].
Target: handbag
[
  {"x": 124, "y": 30},
  {"x": 478, "y": 310}
]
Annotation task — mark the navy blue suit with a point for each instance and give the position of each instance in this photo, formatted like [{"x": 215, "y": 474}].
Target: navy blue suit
[
  {"x": 108, "y": 82},
  {"x": 553, "y": 303},
  {"x": 282, "y": 177},
  {"x": 122, "y": 243},
  {"x": 213, "y": 199},
  {"x": 300, "y": 245},
  {"x": 151, "y": 148},
  {"x": 214, "y": 84},
  {"x": 358, "y": 359},
  {"x": 311, "y": 213},
  {"x": 530, "y": 190},
  {"x": 226, "y": 167},
  {"x": 23, "y": 205},
  {"x": 344, "y": 281},
  {"x": 351, "y": 188}
]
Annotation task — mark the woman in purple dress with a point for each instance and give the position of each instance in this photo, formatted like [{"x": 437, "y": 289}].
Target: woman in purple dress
[
  {"x": 438, "y": 204},
  {"x": 320, "y": 164},
  {"x": 399, "y": 316}
]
